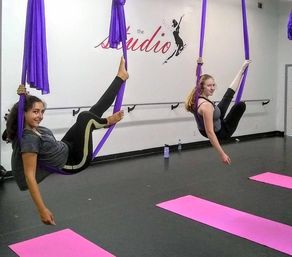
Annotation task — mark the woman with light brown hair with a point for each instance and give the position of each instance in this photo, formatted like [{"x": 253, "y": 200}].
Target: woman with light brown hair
[{"x": 211, "y": 119}]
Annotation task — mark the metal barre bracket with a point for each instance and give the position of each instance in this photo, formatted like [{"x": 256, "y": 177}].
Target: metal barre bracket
[
  {"x": 74, "y": 112},
  {"x": 174, "y": 106},
  {"x": 265, "y": 102},
  {"x": 131, "y": 108}
]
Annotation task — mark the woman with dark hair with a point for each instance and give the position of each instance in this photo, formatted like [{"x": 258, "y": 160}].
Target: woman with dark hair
[
  {"x": 39, "y": 146},
  {"x": 210, "y": 118}
]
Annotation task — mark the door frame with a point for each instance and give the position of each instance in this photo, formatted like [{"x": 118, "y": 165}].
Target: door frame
[{"x": 287, "y": 66}]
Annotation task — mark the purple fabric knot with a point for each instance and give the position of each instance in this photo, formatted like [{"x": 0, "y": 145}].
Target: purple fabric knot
[
  {"x": 289, "y": 26},
  {"x": 118, "y": 32}
]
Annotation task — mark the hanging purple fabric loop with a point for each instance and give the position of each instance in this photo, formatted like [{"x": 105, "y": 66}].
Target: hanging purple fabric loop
[
  {"x": 35, "y": 64},
  {"x": 199, "y": 65},
  {"x": 246, "y": 50},
  {"x": 289, "y": 26},
  {"x": 117, "y": 35}
]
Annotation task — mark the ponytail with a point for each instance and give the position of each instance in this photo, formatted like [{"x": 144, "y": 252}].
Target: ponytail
[{"x": 190, "y": 103}]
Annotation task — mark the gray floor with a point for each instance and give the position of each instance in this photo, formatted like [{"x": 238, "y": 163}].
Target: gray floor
[{"x": 113, "y": 204}]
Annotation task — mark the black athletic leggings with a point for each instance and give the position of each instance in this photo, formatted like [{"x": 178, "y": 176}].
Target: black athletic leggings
[
  {"x": 230, "y": 123},
  {"x": 79, "y": 136}
]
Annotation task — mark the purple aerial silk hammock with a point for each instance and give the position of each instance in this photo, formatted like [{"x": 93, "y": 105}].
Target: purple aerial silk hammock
[
  {"x": 246, "y": 50},
  {"x": 289, "y": 26},
  {"x": 199, "y": 65},
  {"x": 117, "y": 35},
  {"x": 35, "y": 64}
]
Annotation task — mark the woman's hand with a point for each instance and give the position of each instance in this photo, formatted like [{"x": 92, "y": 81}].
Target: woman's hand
[
  {"x": 225, "y": 159},
  {"x": 245, "y": 65},
  {"x": 200, "y": 61},
  {"x": 30, "y": 166},
  {"x": 47, "y": 217},
  {"x": 22, "y": 90}
]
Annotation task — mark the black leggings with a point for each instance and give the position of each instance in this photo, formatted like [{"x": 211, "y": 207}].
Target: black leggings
[
  {"x": 79, "y": 136},
  {"x": 230, "y": 123}
]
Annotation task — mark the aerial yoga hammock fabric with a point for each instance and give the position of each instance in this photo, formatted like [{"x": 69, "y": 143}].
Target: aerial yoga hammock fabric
[
  {"x": 289, "y": 26},
  {"x": 117, "y": 35},
  {"x": 35, "y": 64},
  {"x": 246, "y": 50},
  {"x": 202, "y": 37}
]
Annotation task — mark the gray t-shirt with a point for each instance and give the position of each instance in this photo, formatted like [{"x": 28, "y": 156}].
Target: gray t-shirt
[{"x": 49, "y": 150}]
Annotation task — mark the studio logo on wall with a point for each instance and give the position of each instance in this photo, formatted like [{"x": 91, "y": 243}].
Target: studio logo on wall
[
  {"x": 156, "y": 43},
  {"x": 178, "y": 40}
]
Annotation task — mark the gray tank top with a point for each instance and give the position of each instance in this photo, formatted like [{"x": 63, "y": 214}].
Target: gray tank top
[{"x": 216, "y": 117}]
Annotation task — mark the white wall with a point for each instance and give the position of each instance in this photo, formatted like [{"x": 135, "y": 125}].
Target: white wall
[
  {"x": 284, "y": 57},
  {"x": 79, "y": 72}
]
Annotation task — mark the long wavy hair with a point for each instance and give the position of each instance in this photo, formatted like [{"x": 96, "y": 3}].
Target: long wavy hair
[
  {"x": 11, "y": 122},
  {"x": 190, "y": 103}
]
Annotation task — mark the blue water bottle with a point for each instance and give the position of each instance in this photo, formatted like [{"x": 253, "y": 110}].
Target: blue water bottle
[{"x": 166, "y": 151}]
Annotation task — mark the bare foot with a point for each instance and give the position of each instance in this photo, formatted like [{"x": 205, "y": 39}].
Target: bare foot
[
  {"x": 122, "y": 72},
  {"x": 116, "y": 117}
]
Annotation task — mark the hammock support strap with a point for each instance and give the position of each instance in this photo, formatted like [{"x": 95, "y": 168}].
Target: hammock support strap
[
  {"x": 246, "y": 51},
  {"x": 35, "y": 63},
  {"x": 117, "y": 35},
  {"x": 289, "y": 26}
]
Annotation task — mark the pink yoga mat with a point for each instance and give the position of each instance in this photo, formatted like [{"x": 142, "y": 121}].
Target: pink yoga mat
[
  {"x": 64, "y": 243},
  {"x": 274, "y": 179},
  {"x": 263, "y": 231}
]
